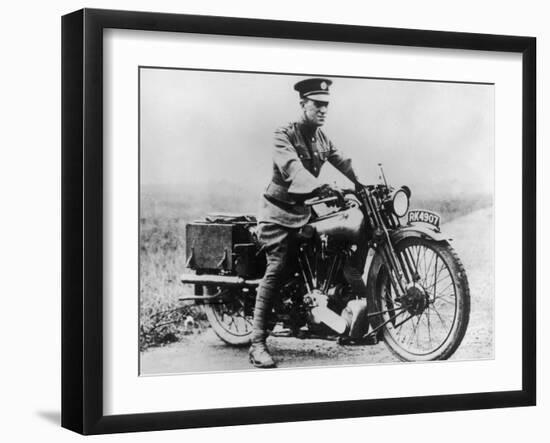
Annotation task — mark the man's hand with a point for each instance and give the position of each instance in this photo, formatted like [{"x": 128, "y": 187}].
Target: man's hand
[
  {"x": 323, "y": 191},
  {"x": 326, "y": 191}
]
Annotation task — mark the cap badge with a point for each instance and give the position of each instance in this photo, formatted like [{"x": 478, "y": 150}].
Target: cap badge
[{"x": 323, "y": 85}]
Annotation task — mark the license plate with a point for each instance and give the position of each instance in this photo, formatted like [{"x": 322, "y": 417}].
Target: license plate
[{"x": 424, "y": 216}]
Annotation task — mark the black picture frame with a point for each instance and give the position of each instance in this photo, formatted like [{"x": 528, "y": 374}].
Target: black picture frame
[{"x": 82, "y": 218}]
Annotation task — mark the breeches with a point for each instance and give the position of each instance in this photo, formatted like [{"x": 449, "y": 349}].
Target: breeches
[{"x": 280, "y": 246}]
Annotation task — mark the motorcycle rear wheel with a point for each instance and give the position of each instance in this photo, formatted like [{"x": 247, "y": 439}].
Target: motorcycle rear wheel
[
  {"x": 431, "y": 321},
  {"x": 229, "y": 320}
]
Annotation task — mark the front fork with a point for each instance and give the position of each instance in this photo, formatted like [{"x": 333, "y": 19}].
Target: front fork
[{"x": 402, "y": 272}]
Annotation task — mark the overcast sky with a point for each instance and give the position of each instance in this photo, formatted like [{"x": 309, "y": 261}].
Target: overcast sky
[{"x": 199, "y": 126}]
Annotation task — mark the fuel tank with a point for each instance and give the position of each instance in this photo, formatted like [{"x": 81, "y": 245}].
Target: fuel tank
[{"x": 343, "y": 225}]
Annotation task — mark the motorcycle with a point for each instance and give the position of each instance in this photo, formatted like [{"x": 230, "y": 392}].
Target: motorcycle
[{"x": 417, "y": 297}]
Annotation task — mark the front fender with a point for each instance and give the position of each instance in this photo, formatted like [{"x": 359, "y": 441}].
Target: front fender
[{"x": 418, "y": 231}]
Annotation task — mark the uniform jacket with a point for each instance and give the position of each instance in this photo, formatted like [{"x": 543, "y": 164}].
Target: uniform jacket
[{"x": 300, "y": 151}]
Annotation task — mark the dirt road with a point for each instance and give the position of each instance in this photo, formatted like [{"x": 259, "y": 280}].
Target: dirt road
[{"x": 472, "y": 239}]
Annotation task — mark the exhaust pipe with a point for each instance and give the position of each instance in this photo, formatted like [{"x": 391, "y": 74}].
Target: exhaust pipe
[
  {"x": 214, "y": 280},
  {"x": 218, "y": 280},
  {"x": 202, "y": 298}
]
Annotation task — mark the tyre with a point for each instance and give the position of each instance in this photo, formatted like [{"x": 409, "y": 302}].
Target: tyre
[
  {"x": 430, "y": 320},
  {"x": 231, "y": 318}
]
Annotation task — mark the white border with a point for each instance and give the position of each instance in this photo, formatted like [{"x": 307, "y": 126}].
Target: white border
[{"x": 125, "y": 392}]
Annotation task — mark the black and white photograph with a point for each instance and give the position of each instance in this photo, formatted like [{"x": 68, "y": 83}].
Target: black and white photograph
[
  {"x": 275, "y": 221},
  {"x": 298, "y": 220}
]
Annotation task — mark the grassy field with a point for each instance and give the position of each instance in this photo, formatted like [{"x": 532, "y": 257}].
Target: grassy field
[{"x": 163, "y": 216}]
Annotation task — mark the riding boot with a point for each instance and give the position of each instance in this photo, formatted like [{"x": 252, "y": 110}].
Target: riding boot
[
  {"x": 258, "y": 354},
  {"x": 260, "y": 357}
]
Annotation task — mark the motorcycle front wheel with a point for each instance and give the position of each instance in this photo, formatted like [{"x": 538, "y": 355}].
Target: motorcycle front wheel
[
  {"x": 231, "y": 317},
  {"x": 430, "y": 320}
]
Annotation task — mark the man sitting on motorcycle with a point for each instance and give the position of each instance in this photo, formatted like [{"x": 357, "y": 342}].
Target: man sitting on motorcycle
[{"x": 300, "y": 150}]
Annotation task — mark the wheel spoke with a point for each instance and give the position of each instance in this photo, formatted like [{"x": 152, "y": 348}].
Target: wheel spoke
[
  {"x": 439, "y": 281},
  {"x": 427, "y": 269},
  {"x": 417, "y": 255},
  {"x": 439, "y": 316},
  {"x": 427, "y": 312},
  {"x": 400, "y": 328},
  {"x": 444, "y": 301},
  {"x": 404, "y": 321},
  {"x": 403, "y": 311},
  {"x": 443, "y": 292},
  {"x": 439, "y": 269},
  {"x": 415, "y": 330}
]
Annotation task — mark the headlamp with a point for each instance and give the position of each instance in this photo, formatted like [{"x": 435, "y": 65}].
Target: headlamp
[{"x": 400, "y": 201}]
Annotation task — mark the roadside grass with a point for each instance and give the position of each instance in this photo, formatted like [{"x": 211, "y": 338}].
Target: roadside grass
[
  {"x": 162, "y": 259},
  {"x": 163, "y": 217}
]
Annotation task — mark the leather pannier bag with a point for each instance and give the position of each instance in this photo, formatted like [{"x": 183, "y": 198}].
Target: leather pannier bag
[{"x": 224, "y": 243}]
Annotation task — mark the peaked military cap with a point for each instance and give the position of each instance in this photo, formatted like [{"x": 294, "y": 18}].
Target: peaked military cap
[{"x": 314, "y": 88}]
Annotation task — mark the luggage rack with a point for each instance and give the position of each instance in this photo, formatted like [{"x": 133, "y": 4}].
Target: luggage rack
[{"x": 225, "y": 217}]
